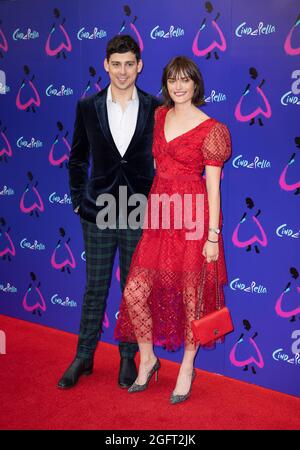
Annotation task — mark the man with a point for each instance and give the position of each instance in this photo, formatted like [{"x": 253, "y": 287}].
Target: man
[{"x": 114, "y": 128}]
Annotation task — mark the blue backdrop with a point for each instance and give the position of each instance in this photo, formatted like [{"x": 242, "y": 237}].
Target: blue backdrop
[{"x": 51, "y": 54}]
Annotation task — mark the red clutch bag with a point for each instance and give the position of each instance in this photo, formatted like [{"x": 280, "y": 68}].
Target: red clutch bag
[{"x": 213, "y": 325}]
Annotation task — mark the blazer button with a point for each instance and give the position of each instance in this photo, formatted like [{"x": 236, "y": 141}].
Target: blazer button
[{"x": 123, "y": 161}]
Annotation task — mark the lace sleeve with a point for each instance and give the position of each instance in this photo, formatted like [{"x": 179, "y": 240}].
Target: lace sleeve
[{"x": 216, "y": 147}]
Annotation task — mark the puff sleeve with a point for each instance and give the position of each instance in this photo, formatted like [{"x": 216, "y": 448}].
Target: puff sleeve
[{"x": 216, "y": 147}]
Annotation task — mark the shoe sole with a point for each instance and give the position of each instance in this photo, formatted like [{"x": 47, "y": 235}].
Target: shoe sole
[{"x": 87, "y": 373}]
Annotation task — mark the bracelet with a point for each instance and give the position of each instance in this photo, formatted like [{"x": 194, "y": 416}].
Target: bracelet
[
  {"x": 214, "y": 242},
  {"x": 215, "y": 230}
]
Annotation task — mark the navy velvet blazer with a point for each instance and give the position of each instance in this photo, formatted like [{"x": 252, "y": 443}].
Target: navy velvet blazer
[{"x": 95, "y": 164}]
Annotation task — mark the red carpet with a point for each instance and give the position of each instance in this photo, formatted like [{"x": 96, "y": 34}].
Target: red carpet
[{"x": 37, "y": 356}]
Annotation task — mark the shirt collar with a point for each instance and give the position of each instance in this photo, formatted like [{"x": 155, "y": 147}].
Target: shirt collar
[{"x": 133, "y": 98}]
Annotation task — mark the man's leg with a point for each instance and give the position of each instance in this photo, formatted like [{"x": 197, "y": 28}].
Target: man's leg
[
  {"x": 100, "y": 249},
  {"x": 127, "y": 240}
]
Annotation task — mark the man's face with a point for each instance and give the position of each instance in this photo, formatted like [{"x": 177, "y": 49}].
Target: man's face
[{"x": 123, "y": 69}]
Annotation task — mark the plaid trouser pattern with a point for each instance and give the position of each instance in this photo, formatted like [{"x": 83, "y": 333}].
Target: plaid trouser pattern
[{"x": 100, "y": 250}]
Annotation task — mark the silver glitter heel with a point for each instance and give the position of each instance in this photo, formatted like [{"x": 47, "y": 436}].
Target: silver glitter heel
[
  {"x": 141, "y": 387},
  {"x": 181, "y": 398}
]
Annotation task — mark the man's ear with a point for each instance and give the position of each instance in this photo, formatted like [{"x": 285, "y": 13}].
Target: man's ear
[
  {"x": 106, "y": 66},
  {"x": 140, "y": 65}
]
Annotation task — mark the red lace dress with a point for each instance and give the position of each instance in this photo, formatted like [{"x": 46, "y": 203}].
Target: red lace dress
[{"x": 165, "y": 277}]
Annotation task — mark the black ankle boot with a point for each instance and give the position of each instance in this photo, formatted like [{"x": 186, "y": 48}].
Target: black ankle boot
[
  {"x": 127, "y": 373},
  {"x": 79, "y": 366}
]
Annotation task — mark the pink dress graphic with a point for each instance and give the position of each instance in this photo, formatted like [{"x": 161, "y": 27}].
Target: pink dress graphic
[
  {"x": 288, "y": 304},
  {"x": 28, "y": 96},
  {"x": 132, "y": 26},
  {"x": 33, "y": 100},
  {"x": 60, "y": 151},
  {"x": 288, "y": 47},
  {"x": 283, "y": 183},
  {"x": 7, "y": 248},
  {"x": 255, "y": 95},
  {"x": 62, "y": 257},
  {"x": 58, "y": 34},
  {"x": 31, "y": 201},
  {"x": 259, "y": 237},
  {"x": 92, "y": 85},
  {"x": 209, "y": 36},
  {"x": 33, "y": 300},
  {"x": 54, "y": 158},
  {"x": 246, "y": 352},
  {"x": 5, "y": 147},
  {"x": 3, "y": 43}
]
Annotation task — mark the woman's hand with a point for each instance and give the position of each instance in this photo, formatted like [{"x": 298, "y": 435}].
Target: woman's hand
[{"x": 210, "y": 251}]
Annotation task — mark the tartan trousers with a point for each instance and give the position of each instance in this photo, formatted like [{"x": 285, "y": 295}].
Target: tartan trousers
[{"x": 100, "y": 250}]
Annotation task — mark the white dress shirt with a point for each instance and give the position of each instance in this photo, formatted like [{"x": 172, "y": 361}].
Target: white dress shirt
[{"x": 122, "y": 124}]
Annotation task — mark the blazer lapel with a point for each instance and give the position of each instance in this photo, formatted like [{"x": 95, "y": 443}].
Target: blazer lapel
[
  {"x": 143, "y": 113},
  {"x": 101, "y": 109}
]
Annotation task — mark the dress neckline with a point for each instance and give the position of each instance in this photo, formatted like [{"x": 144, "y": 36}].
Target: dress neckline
[{"x": 182, "y": 134}]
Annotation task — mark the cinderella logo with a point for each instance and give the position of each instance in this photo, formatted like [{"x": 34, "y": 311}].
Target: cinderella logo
[
  {"x": 245, "y": 351},
  {"x": 288, "y": 48},
  {"x": 59, "y": 37},
  {"x": 262, "y": 239},
  {"x": 7, "y": 248},
  {"x": 96, "y": 34},
  {"x": 55, "y": 198},
  {"x": 253, "y": 96},
  {"x": 56, "y": 300},
  {"x": 32, "y": 143},
  {"x": 60, "y": 149},
  {"x": 33, "y": 300},
  {"x": 8, "y": 288},
  {"x": 258, "y": 163},
  {"x": 36, "y": 246},
  {"x": 62, "y": 256},
  {"x": 288, "y": 304},
  {"x": 289, "y": 187},
  {"x": 5, "y": 147},
  {"x": 244, "y": 30},
  {"x": 171, "y": 33},
  {"x": 29, "y": 34},
  {"x": 284, "y": 231},
  {"x": 32, "y": 197},
  {"x": 3, "y": 43},
  {"x": 215, "y": 97},
  {"x": 29, "y": 93},
  {"x": 253, "y": 288},
  {"x": 7, "y": 191},
  {"x": 292, "y": 97},
  {"x": 93, "y": 85},
  {"x": 131, "y": 24},
  {"x": 209, "y": 35},
  {"x": 63, "y": 91}
]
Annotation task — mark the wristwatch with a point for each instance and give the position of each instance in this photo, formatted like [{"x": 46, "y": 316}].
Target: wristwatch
[{"x": 215, "y": 230}]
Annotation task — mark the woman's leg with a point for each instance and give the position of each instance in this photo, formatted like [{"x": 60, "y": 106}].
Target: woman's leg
[
  {"x": 147, "y": 361},
  {"x": 136, "y": 294},
  {"x": 184, "y": 378}
]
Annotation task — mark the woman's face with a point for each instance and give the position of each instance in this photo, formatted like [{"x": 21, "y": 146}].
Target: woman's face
[{"x": 181, "y": 89}]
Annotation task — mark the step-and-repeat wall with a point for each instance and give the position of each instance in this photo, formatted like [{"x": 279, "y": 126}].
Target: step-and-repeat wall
[{"x": 51, "y": 54}]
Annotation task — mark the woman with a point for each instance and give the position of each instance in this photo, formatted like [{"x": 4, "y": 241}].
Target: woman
[{"x": 166, "y": 277}]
